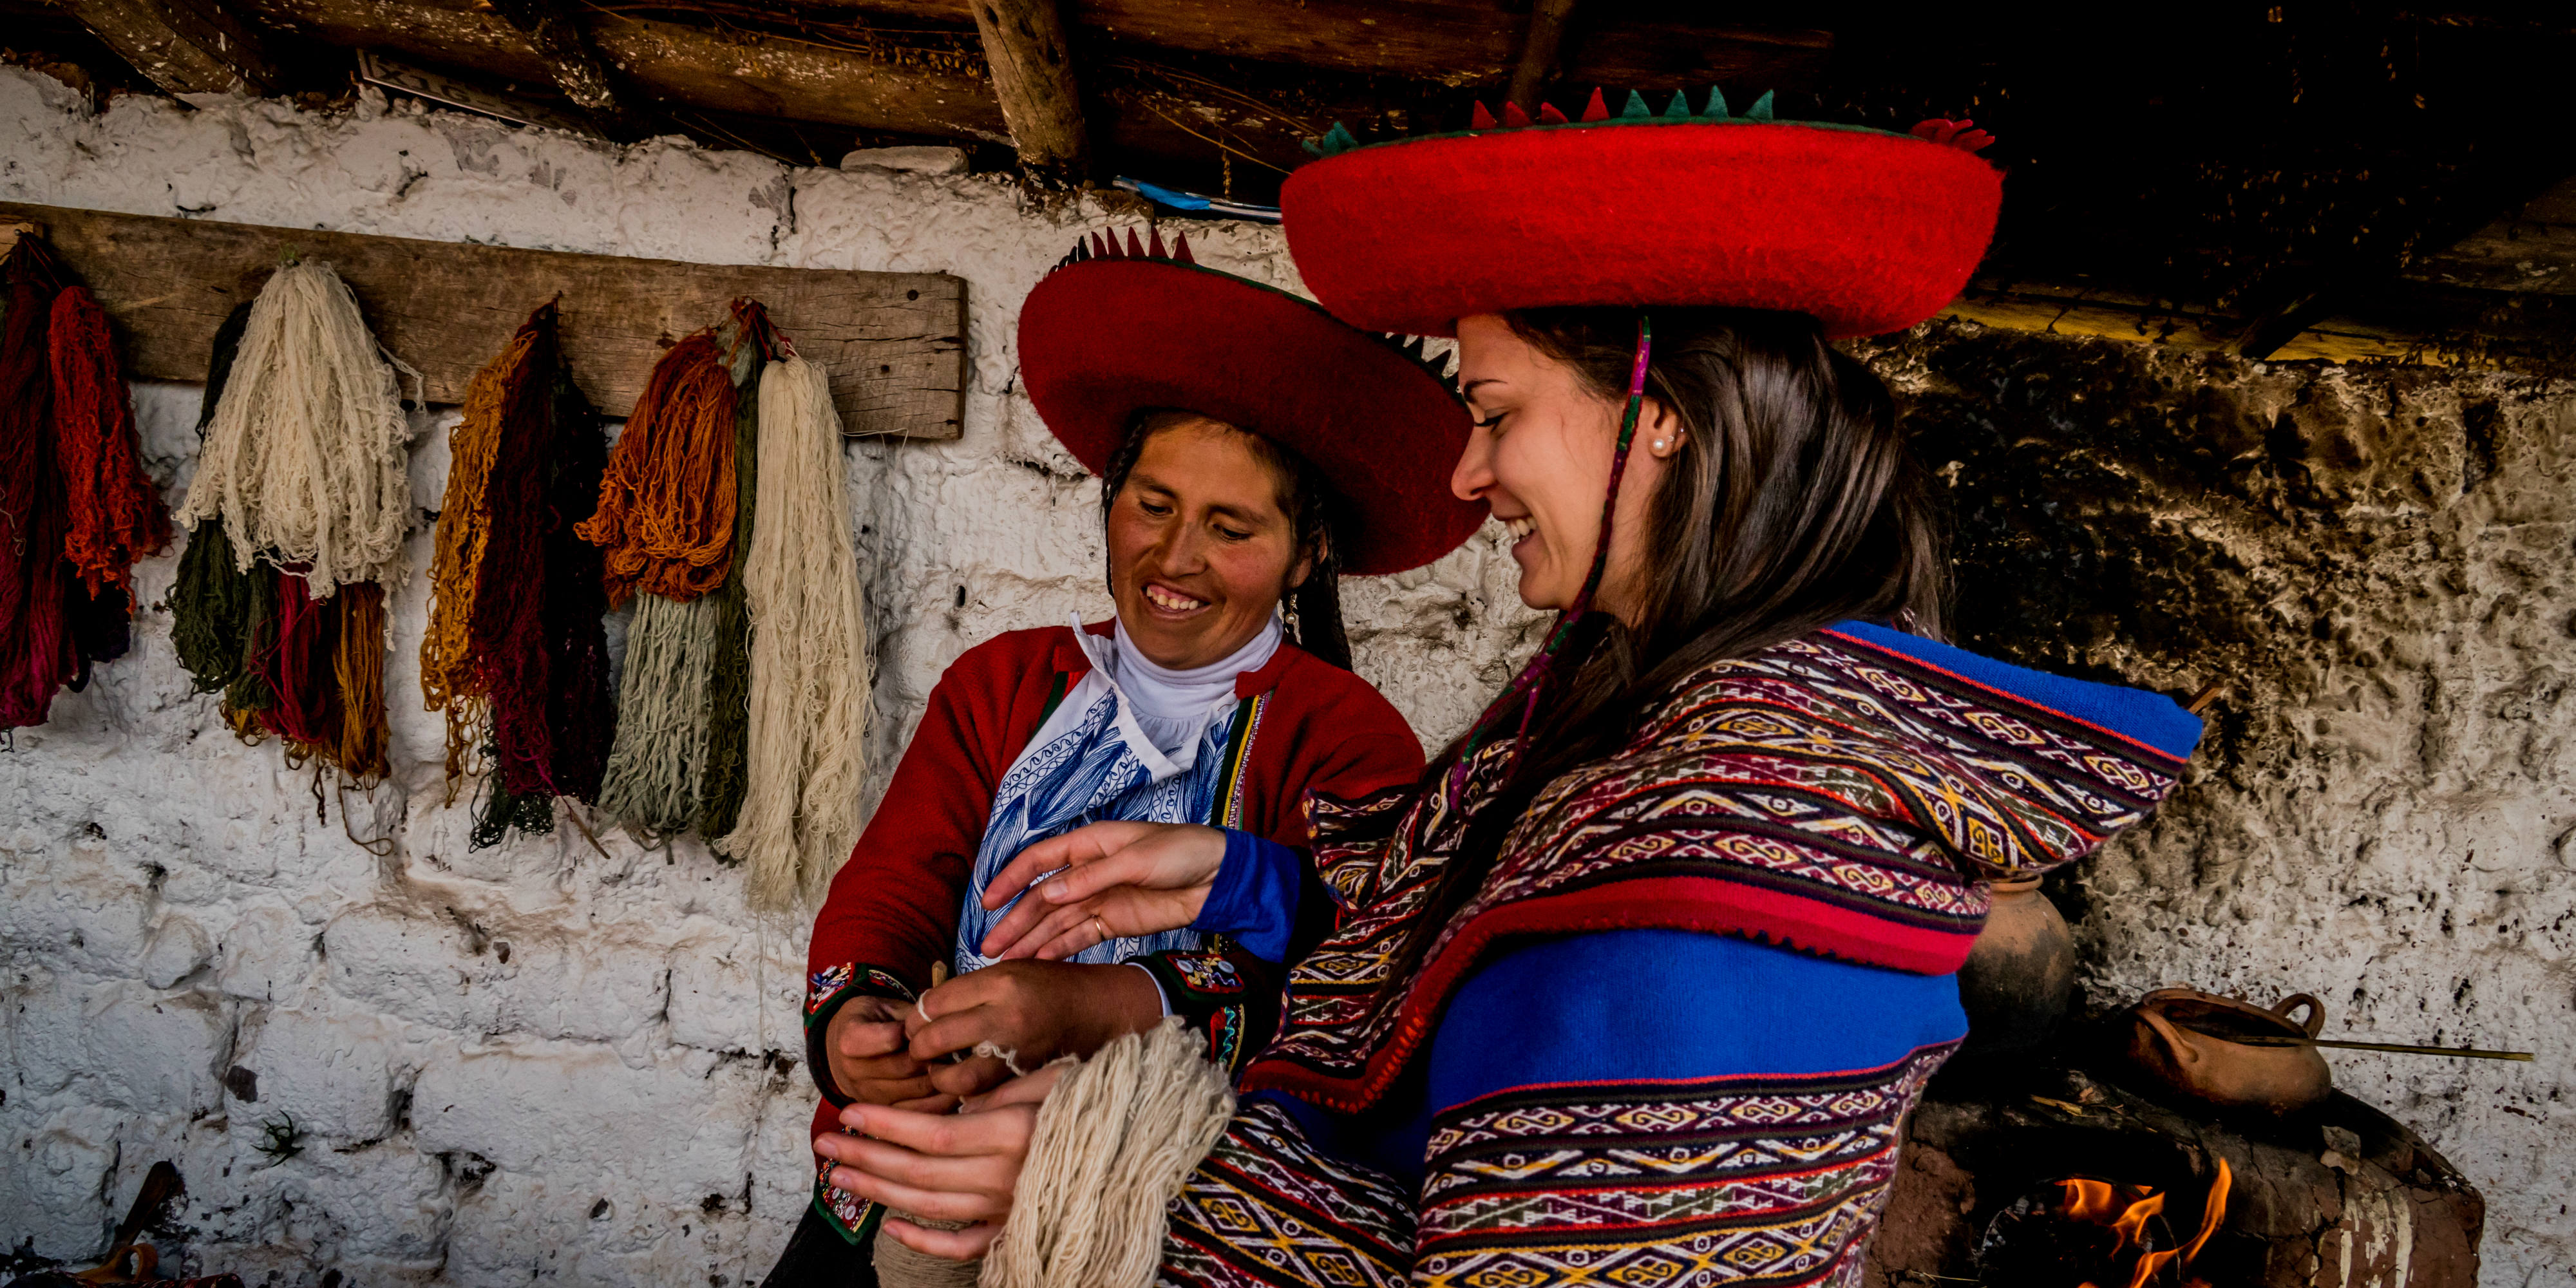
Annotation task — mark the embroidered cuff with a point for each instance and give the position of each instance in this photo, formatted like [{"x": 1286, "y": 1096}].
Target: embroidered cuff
[
  {"x": 1221, "y": 992},
  {"x": 1254, "y": 898},
  {"x": 826, "y": 991}
]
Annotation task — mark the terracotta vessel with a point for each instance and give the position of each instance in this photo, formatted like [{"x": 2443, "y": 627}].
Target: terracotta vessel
[
  {"x": 2019, "y": 979},
  {"x": 2189, "y": 1042}
]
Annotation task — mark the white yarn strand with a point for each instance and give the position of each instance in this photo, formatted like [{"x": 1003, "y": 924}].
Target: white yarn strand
[
  {"x": 307, "y": 458},
  {"x": 809, "y": 650},
  {"x": 1114, "y": 1142}
]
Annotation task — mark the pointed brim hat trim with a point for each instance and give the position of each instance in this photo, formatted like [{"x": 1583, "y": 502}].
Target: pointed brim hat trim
[
  {"x": 1868, "y": 232},
  {"x": 1104, "y": 338}
]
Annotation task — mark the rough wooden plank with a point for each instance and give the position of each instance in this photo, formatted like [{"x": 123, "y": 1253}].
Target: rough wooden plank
[
  {"x": 893, "y": 343},
  {"x": 1033, "y": 79},
  {"x": 183, "y": 46}
]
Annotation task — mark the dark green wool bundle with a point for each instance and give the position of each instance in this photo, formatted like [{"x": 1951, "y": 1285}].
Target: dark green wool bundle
[{"x": 213, "y": 604}]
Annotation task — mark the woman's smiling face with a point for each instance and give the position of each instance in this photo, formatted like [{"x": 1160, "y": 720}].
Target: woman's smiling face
[
  {"x": 1200, "y": 552},
  {"x": 1540, "y": 455}
]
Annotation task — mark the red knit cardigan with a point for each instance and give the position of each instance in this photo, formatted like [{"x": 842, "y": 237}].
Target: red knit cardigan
[{"x": 892, "y": 910}]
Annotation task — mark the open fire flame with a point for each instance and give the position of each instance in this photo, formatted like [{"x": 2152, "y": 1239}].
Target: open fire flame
[{"x": 2102, "y": 1203}]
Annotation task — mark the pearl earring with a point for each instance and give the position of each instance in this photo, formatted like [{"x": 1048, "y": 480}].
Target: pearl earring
[{"x": 1659, "y": 444}]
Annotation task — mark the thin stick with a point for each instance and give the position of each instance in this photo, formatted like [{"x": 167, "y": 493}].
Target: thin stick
[{"x": 2399, "y": 1047}]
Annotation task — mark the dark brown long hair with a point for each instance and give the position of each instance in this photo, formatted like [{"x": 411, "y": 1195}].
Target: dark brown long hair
[
  {"x": 1314, "y": 514},
  {"x": 1792, "y": 504}
]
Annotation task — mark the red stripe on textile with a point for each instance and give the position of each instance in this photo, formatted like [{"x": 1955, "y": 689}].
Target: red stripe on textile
[{"x": 1703, "y": 904}]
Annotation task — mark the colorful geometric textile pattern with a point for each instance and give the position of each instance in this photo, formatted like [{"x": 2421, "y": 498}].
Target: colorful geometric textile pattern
[
  {"x": 852, "y": 1217},
  {"x": 1266, "y": 1207},
  {"x": 1835, "y": 794},
  {"x": 1778, "y": 1180}
]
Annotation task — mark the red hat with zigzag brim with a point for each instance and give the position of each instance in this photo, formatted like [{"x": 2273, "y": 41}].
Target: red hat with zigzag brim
[
  {"x": 1113, "y": 332},
  {"x": 1867, "y": 231}
]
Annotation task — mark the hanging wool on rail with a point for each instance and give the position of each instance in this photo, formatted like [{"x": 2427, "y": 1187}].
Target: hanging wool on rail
[
  {"x": 515, "y": 656},
  {"x": 214, "y": 601},
  {"x": 308, "y": 458},
  {"x": 297, "y": 517},
  {"x": 809, "y": 649},
  {"x": 748, "y": 340},
  {"x": 79, "y": 506},
  {"x": 665, "y": 523}
]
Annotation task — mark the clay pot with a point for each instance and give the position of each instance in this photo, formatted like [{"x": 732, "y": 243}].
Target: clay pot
[
  {"x": 2185, "y": 1041},
  {"x": 2019, "y": 978}
]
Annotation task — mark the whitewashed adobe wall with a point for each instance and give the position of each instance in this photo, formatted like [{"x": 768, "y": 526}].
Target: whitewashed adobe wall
[
  {"x": 545, "y": 1062},
  {"x": 535, "y": 1060}
]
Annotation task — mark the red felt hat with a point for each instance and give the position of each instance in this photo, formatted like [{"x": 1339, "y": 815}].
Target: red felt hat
[
  {"x": 1867, "y": 231},
  {"x": 1114, "y": 331}
]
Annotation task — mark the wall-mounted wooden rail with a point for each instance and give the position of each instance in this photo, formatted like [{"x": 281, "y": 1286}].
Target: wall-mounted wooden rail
[{"x": 893, "y": 343}]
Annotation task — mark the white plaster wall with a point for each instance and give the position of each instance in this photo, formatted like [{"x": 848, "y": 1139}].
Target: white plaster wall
[
  {"x": 544, "y": 1059},
  {"x": 549, "y": 1060}
]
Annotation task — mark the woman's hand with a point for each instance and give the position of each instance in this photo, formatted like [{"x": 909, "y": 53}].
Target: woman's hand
[
  {"x": 1034, "y": 1010},
  {"x": 948, "y": 1167},
  {"x": 1102, "y": 882},
  {"x": 866, "y": 1044}
]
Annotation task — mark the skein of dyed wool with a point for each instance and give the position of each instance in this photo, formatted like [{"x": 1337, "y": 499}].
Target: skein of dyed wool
[
  {"x": 307, "y": 459},
  {"x": 666, "y": 502},
  {"x": 665, "y": 527},
  {"x": 497, "y": 407},
  {"x": 37, "y": 650},
  {"x": 116, "y": 515},
  {"x": 748, "y": 341},
  {"x": 357, "y": 636},
  {"x": 580, "y": 707},
  {"x": 210, "y": 603},
  {"x": 658, "y": 760},
  {"x": 809, "y": 649},
  {"x": 535, "y": 634},
  {"x": 294, "y": 662}
]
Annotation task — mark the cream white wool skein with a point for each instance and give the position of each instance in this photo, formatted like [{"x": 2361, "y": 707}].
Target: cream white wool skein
[
  {"x": 307, "y": 457},
  {"x": 809, "y": 650},
  {"x": 1114, "y": 1142}
]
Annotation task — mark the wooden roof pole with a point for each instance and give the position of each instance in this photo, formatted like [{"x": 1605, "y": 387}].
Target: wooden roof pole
[
  {"x": 183, "y": 46},
  {"x": 1539, "y": 50},
  {"x": 564, "y": 45},
  {"x": 1033, "y": 77}
]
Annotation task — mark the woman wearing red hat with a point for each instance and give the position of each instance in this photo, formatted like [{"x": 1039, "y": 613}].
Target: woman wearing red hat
[
  {"x": 1237, "y": 487},
  {"x": 1639, "y": 981}
]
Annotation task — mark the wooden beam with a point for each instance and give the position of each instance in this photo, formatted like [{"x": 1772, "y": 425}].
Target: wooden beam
[
  {"x": 893, "y": 343},
  {"x": 1455, "y": 42},
  {"x": 2531, "y": 247},
  {"x": 1134, "y": 106},
  {"x": 1032, "y": 69},
  {"x": 2026, "y": 307},
  {"x": 183, "y": 46},
  {"x": 420, "y": 82},
  {"x": 734, "y": 71},
  {"x": 1539, "y": 46},
  {"x": 561, "y": 43}
]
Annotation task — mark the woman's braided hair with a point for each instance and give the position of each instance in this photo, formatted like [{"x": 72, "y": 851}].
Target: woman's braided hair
[{"x": 1313, "y": 509}]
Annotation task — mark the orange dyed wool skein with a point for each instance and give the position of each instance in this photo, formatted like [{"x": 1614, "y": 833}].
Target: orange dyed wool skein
[
  {"x": 666, "y": 503},
  {"x": 115, "y": 511},
  {"x": 451, "y": 677}
]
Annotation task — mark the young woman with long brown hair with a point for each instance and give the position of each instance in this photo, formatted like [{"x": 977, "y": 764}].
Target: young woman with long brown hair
[{"x": 1640, "y": 979}]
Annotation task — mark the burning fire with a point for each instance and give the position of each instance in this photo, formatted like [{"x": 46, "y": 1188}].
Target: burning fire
[{"x": 2100, "y": 1203}]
